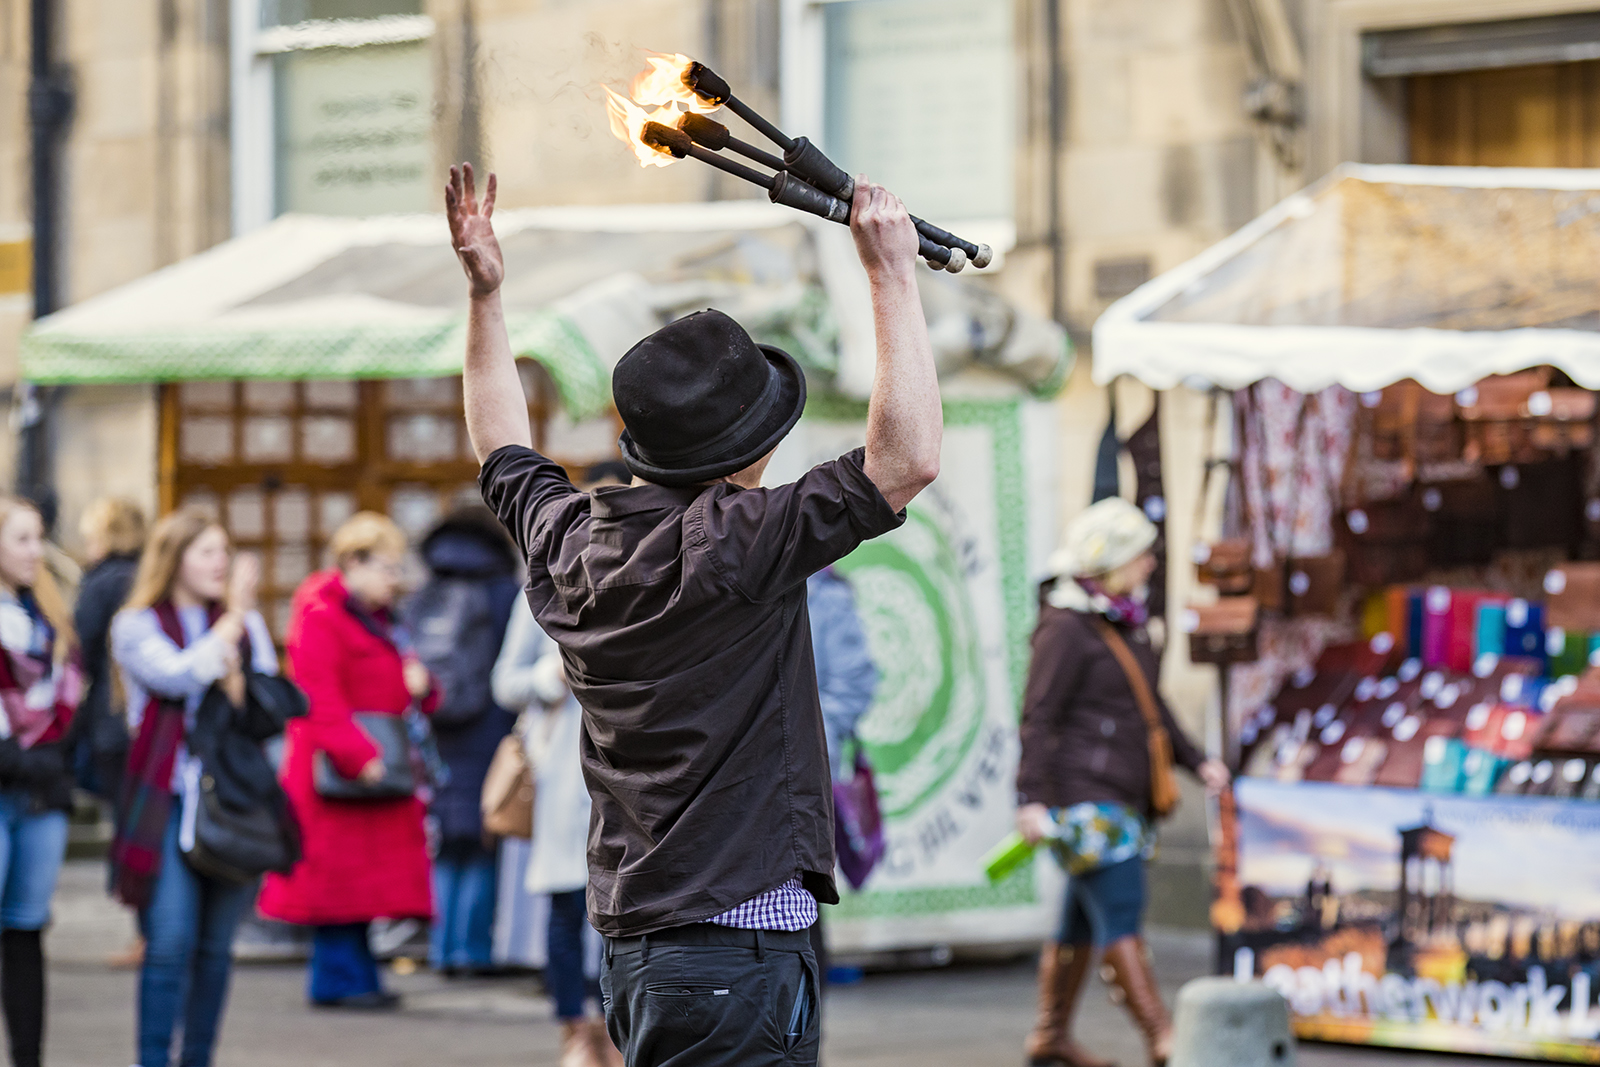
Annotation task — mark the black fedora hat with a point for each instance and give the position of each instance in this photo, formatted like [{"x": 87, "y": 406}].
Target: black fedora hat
[{"x": 699, "y": 400}]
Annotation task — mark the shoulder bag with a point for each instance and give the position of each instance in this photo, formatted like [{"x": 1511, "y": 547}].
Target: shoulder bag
[
  {"x": 239, "y": 846},
  {"x": 858, "y": 821},
  {"x": 392, "y": 736},
  {"x": 237, "y": 823},
  {"x": 1163, "y": 786},
  {"x": 509, "y": 789}
]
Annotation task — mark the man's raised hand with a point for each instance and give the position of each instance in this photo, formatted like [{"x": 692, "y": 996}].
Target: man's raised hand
[
  {"x": 471, "y": 232},
  {"x": 886, "y": 239}
]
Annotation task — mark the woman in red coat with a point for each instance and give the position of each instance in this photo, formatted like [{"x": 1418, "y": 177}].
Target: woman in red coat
[{"x": 363, "y": 859}]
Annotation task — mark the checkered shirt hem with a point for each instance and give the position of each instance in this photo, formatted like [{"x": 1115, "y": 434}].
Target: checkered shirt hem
[{"x": 788, "y": 907}]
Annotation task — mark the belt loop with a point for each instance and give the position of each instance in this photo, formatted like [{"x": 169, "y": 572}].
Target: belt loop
[
  {"x": 760, "y": 948},
  {"x": 644, "y": 948},
  {"x": 611, "y": 949}
]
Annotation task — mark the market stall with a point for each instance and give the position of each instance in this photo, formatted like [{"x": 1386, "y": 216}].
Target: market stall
[{"x": 1404, "y": 595}]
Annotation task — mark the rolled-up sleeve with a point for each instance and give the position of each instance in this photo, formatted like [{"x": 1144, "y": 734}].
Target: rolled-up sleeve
[{"x": 767, "y": 541}]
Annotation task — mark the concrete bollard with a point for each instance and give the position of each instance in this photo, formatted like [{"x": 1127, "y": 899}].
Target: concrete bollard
[{"x": 1224, "y": 1023}]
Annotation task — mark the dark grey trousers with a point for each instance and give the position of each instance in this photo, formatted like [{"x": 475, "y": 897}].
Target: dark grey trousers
[{"x": 705, "y": 995}]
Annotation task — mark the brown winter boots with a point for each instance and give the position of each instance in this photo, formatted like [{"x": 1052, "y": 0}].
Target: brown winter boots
[
  {"x": 1062, "y": 970},
  {"x": 1129, "y": 964}
]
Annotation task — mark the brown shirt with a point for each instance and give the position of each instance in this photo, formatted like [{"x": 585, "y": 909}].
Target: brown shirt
[
  {"x": 1083, "y": 736},
  {"x": 681, "y": 618}
]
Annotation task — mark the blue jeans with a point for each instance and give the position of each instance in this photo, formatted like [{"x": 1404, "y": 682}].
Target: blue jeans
[
  {"x": 569, "y": 987},
  {"x": 463, "y": 906},
  {"x": 342, "y": 964},
  {"x": 1104, "y": 905},
  {"x": 188, "y": 956},
  {"x": 32, "y": 845}
]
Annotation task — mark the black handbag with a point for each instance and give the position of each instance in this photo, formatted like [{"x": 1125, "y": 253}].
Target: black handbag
[
  {"x": 241, "y": 826},
  {"x": 240, "y": 846},
  {"x": 392, "y": 734}
]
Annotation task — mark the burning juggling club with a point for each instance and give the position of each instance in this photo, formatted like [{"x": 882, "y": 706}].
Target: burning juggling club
[
  {"x": 801, "y": 157},
  {"x": 786, "y": 189}
]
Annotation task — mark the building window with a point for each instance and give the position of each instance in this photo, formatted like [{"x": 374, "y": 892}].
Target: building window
[
  {"x": 920, "y": 96},
  {"x": 334, "y": 107},
  {"x": 283, "y": 463}
]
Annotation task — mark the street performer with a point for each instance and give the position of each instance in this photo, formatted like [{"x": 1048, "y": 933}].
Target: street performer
[{"x": 679, "y": 605}]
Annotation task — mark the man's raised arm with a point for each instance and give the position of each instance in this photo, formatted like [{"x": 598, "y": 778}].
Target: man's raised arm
[
  {"x": 905, "y": 421},
  {"x": 497, "y": 412}
]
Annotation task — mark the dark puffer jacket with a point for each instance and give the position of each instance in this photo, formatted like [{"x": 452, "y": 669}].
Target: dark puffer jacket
[
  {"x": 1083, "y": 737},
  {"x": 100, "y": 596},
  {"x": 471, "y": 545}
]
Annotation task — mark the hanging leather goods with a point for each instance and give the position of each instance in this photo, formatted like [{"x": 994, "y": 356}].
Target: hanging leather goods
[
  {"x": 1223, "y": 633},
  {"x": 1144, "y": 448},
  {"x": 1225, "y": 562}
]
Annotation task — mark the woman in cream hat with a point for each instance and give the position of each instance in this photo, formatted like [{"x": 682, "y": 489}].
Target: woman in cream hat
[{"x": 1098, "y": 745}]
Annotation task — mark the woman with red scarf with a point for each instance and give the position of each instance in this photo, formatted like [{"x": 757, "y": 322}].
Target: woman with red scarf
[
  {"x": 363, "y": 859},
  {"x": 190, "y": 623},
  {"x": 40, "y": 687}
]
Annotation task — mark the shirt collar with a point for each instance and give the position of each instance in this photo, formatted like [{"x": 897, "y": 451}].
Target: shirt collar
[{"x": 615, "y": 501}]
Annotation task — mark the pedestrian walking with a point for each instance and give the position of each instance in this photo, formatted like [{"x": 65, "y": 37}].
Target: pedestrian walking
[
  {"x": 529, "y": 676},
  {"x": 457, "y": 621},
  {"x": 846, "y": 681},
  {"x": 679, "y": 608},
  {"x": 113, "y": 531},
  {"x": 364, "y": 858},
  {"x": 40, "y": 687},
  {"x": 190, "y": 622},
  {"x": 1098, "y": 746}
]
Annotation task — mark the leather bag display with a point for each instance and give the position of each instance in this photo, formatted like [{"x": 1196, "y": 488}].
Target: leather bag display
[
  {"x": 1572, "y": 597},
  {"x": 1223, "y": 633},
  {"x": 1224, "y": 563},
  {"x": 392, "y": 736}
]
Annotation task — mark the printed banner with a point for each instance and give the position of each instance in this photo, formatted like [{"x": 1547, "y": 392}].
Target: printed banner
[
  {"x": 1394, "y": 917},
  {"x": 947, "y": 602}
]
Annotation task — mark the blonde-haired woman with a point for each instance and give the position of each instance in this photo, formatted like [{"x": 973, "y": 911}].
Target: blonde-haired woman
[
  {"x": 190, "y": 622},
  {"x": 113, "y": 531},
  {"x": 40, "y": 687},
  {"x": 366, "y": 858}
]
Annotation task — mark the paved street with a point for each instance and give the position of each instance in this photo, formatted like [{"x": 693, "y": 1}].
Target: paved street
[{"x": 955, "y": 1017}]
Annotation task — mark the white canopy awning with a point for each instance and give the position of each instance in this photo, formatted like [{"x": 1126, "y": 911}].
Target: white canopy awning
[
  {"x": 383, "y": 297},
  {"x": 1377, "y": 274}
]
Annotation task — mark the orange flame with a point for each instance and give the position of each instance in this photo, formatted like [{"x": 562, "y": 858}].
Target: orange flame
[
  {"x": 661, "y": 82},
  {"x": 627, "y": 123}
]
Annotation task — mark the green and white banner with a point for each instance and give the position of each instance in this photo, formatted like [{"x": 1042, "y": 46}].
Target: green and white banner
[{"x": 948, "y": 604}]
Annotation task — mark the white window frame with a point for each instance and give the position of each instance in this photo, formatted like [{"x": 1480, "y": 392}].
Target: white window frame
[
  {"x": 802, "y": 68},
  {"x": 253, "y": 148}
]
